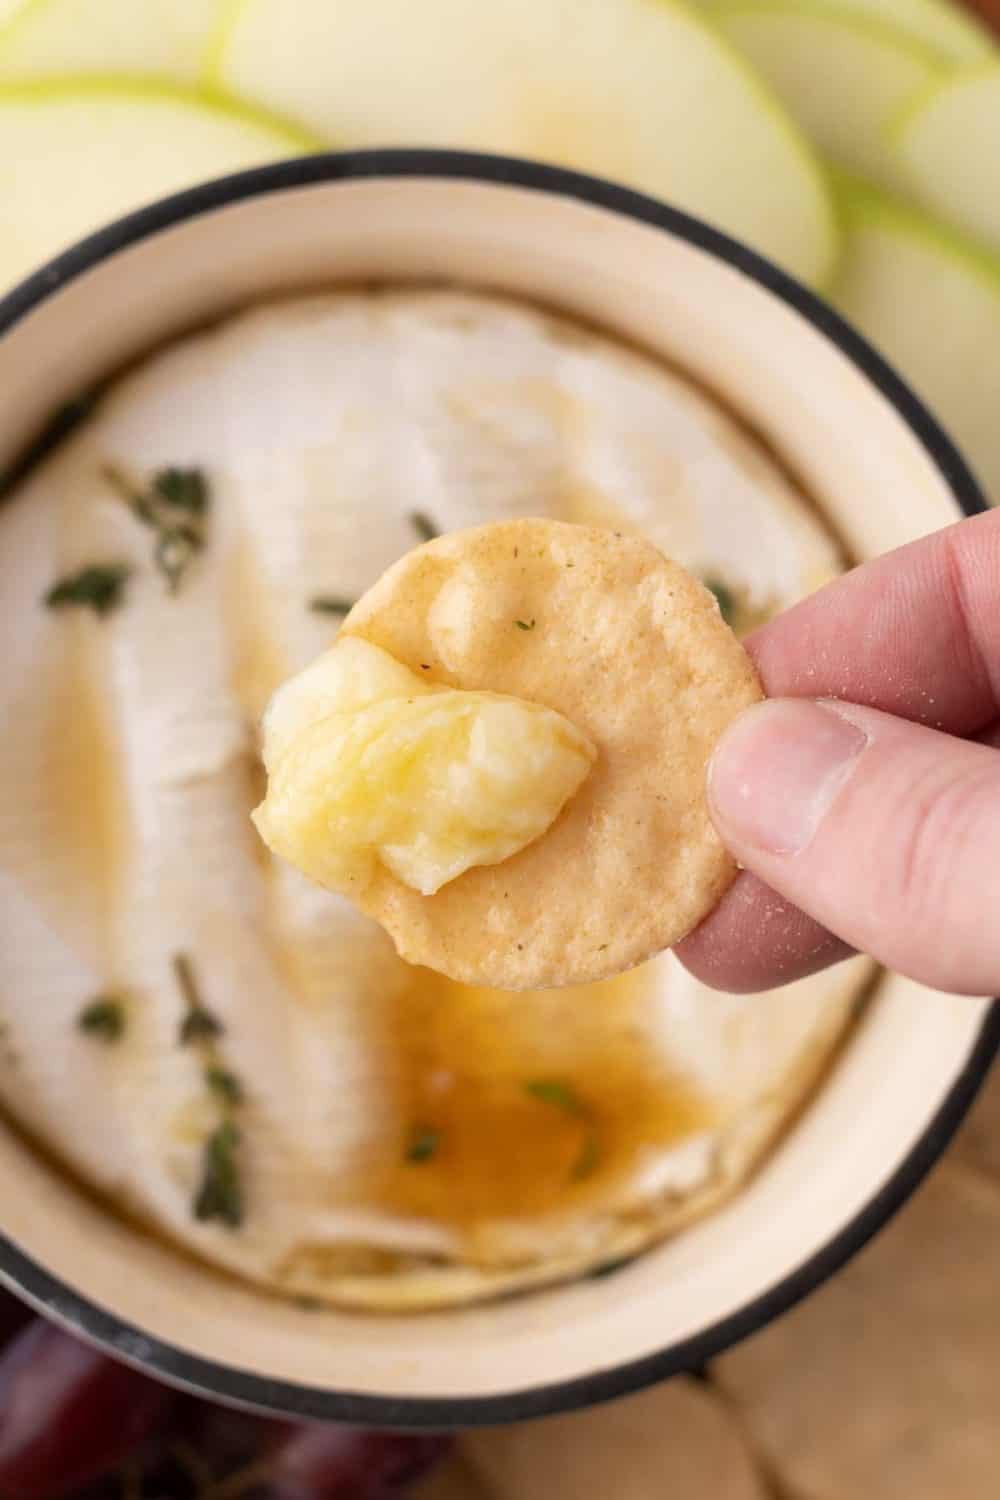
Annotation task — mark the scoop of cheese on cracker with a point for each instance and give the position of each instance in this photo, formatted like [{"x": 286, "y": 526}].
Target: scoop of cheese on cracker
[
  {"x": 502, "y": 758},
  {"x": 368, "y": 762}
]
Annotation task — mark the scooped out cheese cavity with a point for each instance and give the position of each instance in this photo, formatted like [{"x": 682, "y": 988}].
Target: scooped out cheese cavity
[{"x": 367, "y": 761}]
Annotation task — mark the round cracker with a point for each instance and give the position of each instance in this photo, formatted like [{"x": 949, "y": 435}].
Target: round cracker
[{"x": 601, "y": 627}]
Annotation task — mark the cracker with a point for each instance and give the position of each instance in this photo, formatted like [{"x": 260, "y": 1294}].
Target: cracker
[{"x": 604, "y": 629}]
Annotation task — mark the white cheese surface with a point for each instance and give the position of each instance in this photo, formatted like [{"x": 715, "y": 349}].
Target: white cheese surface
[{"x": 128, "y": 768}]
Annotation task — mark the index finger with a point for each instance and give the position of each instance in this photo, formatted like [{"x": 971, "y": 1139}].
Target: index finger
[{"x": 915, "y": 633}]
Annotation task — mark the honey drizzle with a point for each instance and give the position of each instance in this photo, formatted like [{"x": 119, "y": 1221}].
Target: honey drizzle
[{"x": 464, "y": 1068}]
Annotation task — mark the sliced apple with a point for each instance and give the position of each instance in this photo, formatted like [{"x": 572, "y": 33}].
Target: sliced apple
[
  {"x": 73, "y": 156},
  {"x": 643, "y": 93},
  {"x": 842, "y": 77},
  {"x": 947, "y": 28},
  {"x": 930, "y": 301},
  {"x": 155, "y": 38},
  {"x": 947, "y": 144}
]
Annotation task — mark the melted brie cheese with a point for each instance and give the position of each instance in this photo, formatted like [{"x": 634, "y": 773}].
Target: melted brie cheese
[
  {"x": 366, "y": 761},
  {"x": 402, "y": 1141}
]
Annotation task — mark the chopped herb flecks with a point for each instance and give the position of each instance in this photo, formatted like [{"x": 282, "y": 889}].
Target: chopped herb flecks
[
  {"x": 724, "y": 598},
  {"x": 99, "y": 587},
  {"x": 587, "y": 1161},
  {"x": 554, "y": 1091},
  {"x": 562, "y": 1095},
  {"x": 423, "y": 526},
  {"x": 423, "y": 1143},
  {"x": 199, "y": 1024},
  {"x": 185, "y": 489},
  {"x": 175, "y": 507},
  {"x": 220, "y": 1194},
  {"x": 225, "y": 1085},
  {"x": 525, "y": 624},
  {"x": 324, "y": 605},
  {"x": 103, "y": 1018}
]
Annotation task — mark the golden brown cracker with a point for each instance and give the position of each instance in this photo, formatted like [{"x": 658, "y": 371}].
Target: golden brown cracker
[{"x": 603, "y": 628}]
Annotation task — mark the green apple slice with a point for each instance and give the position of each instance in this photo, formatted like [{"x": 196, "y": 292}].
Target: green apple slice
[
  {"x": 947, "y": 143},
  {"x": 641, "y": 92},
  {"x": 948, "y": 29},
  {"x": 930, "y": 301},
  {"x": 842, "y": 77},
  {"x": 154, "y": 38},
  {"x": 73, "y": 156}
]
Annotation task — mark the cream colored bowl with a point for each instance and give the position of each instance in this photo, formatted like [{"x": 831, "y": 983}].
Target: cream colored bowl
[{"x": 883, "y": 473}]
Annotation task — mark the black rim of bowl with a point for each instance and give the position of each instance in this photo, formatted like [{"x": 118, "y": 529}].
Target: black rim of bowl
[{"x": 240, "y": 1387}]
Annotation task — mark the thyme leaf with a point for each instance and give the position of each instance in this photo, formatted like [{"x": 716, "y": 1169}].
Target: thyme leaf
[
  {"x": 590, "y": 1155},
  {"x": 199, "y": 1024},
  {"x": 525, "y": 624},
  {"x": 103, "y": 1018},
  {"x": 185, "y": 489},
  {"x": 423, "y": 526},
  {"x": 423, "y": 1144},
  {"x": 220, "y": 1192},
  {"x": 225, "y": 1084},
  {"x": 325, "y": 604},
  {"x": 99, "y": 587},
  {"x": 170, "y": 491},
  {"x": 562, "y": 1095},
  {"x": 556, "y": 1092}
]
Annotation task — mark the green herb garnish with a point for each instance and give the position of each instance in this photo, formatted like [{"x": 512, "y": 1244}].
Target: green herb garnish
[
  {"x": 171, "y": 490},
  {"x": 98, "y": 587},
  {"x": 563, "y": 1096},
  {"x": 327, "y": 605},
  {"x": 553, "y": 1091},
  {"x": 423, "y": 526},
  {"x": 103, "y": 1018},
  {"x": 185, "y": 489},
  {"x": 525, "y": 624},
  {"x": 590, "y": 1155},
  {"x": 423, "y": 1143},
  {"x": 199, "y": 1024},
  {"x": 220, "y": 1194},
  {"x": 225, "y": 1084},
  {"x": 724, "y": 597}
]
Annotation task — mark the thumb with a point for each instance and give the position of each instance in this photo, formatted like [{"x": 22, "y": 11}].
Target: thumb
[{"x": 886, "y": 832}]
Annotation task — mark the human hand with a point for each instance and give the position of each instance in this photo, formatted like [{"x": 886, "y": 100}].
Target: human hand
[{"x": 869, "y": 819}]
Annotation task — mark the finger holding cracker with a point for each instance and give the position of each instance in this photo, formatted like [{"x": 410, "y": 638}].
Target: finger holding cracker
[{"x": 519, "y": 798}]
